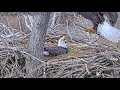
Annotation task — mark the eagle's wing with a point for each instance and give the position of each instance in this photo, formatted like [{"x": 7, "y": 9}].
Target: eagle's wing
[
  {"x": 55, "y": 50},
  {"x": 113, "y": 16},
  {"x": 97, "y": 17}
]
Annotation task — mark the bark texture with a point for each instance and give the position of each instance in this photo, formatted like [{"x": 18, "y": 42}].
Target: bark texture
[{"x": 37, "y": 39}]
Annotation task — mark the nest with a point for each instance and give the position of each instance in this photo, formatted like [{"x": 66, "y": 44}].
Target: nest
[{"x": 95, "y": 65}]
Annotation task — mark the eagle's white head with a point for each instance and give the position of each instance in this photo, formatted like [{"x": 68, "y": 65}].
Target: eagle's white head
[
  {"x": 108, "y": 31},
  {"x": 62, "y": 43}
]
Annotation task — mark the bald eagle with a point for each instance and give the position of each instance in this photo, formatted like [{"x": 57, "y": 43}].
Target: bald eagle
[
  {"x": 103, "y": 24},
  {"x": 98, "y": 17},
  {"x": 61, "y": 48}
]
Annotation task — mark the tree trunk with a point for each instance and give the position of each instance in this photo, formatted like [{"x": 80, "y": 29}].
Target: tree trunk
[{"x": 37, "y": 39}]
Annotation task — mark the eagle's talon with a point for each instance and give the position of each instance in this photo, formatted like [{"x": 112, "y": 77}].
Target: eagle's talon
[{"x": 91, "y": 31}]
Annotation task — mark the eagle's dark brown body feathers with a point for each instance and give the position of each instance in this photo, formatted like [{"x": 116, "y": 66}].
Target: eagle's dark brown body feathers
[
  {"x": 103, "y": 24},
  {"x": 61, "y": 48},
  {"x": 56, "y": 50},
  {"x": 97, "y": 17}
]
